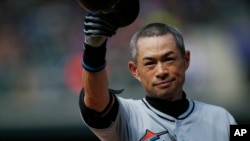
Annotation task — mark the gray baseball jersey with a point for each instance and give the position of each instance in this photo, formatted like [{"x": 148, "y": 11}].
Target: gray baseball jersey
[{"x": 137, "y": 120}]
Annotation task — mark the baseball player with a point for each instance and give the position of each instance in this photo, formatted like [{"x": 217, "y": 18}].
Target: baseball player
[{"x": 159, "y": 62}]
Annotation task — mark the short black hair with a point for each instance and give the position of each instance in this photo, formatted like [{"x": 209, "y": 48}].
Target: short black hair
[{"x": 157, "y": 29}]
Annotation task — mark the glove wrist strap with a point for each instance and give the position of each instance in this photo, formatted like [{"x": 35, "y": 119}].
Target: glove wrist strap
[{"x": 95, "y": 40}]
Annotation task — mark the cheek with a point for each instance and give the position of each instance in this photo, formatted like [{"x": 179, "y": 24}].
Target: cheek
[
  {"x": 145, "y": 77},
  {"x": 179, "y": 73}
]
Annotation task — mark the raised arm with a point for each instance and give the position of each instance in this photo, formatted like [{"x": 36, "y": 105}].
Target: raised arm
[
  {"x": 96, "y": 90},
  {"x": 95, "y": 81}
]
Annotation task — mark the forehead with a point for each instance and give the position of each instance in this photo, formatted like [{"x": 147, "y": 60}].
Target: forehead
[{"x": 148, "y": 46}]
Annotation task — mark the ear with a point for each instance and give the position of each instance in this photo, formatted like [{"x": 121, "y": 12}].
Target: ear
[
  {"x": 187, "y": 59},
  {"x": 133, "y": 70}
]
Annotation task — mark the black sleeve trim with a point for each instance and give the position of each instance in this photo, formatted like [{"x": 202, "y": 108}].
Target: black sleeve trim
[{"x": 100, "y": 120}]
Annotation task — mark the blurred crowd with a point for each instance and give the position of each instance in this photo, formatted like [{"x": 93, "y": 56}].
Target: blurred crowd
[
  {"x": 41, "y": 44},
  {"x": 35, "y": 34}
]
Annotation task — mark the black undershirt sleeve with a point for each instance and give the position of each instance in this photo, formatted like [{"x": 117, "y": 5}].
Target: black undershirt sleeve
[{"x": 104, "y": 119}]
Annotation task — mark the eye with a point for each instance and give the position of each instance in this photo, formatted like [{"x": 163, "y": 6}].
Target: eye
[
  {"x": 169, "y": 59},
  {"x": 148, "y": 63}
]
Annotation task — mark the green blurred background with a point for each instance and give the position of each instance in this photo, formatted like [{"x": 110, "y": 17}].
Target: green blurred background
[{"x": 40, "y": 61}]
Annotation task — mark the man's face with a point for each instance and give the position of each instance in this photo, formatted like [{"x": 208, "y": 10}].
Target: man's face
[{"x": 160, "y": 67}]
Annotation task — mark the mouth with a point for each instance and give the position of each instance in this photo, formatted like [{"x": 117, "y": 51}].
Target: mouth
[{"x": 163, "y": 84}]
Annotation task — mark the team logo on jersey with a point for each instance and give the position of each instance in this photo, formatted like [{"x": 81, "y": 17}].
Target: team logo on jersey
[{"x": 150, "y": 136}]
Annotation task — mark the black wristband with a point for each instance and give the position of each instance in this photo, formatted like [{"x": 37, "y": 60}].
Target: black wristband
[{"x": 94, "y": 58}]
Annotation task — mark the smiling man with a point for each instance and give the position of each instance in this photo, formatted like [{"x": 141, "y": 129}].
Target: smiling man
[{"x": 159, "y": 62}]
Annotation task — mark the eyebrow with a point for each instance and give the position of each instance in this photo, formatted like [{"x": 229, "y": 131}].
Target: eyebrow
[{"x": 164, "y": 55}]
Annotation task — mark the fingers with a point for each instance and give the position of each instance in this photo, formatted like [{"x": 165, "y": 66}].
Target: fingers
[{"x": 98, "y": 25}]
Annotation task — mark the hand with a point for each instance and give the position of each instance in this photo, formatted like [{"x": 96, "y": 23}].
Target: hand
[{"x": 98, "y": 28}]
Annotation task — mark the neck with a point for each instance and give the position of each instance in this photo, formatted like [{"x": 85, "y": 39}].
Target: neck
[{"x": 174, "y": 108}]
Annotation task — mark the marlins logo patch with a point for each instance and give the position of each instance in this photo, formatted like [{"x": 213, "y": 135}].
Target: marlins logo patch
[{"x": 150, "y": 136}]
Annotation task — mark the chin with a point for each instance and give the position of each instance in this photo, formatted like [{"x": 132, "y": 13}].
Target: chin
[{"x": 168, "y": 95}]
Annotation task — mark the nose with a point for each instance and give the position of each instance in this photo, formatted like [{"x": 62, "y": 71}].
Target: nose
[{"x": 161, "y": 71}]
